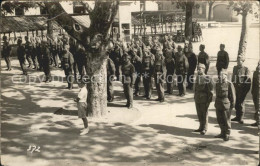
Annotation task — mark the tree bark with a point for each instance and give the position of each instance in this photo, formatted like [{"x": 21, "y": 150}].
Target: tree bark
[
  {"x": 210, "y": 11},
  {"x": 50, "y": 28},
  {"x": 188, "y": 21},
  {"x": 243, "y": 36}
]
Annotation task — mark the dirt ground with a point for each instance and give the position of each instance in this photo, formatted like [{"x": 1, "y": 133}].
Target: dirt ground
[{"x": 151, "y": 133}]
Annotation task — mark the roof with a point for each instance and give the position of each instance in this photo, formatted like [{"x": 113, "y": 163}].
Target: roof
[
  {"x": 25, "y": 23},
  {"x": 84, "y": 20}
]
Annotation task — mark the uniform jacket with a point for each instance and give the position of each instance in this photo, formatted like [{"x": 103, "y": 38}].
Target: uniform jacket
[
  {"x": 21, "y": 52},
  {"x": 255, "y": 86},
  {"x": 241, "y": 79},
  {"x": 181, "y": 63},
  {"x": 110, "y": 67},
  {"x": 203, "y": 89},
  {"x": 222, "y": 60},
  {"x": 203, "y": 58},
  {"x": 128, "y": 72},
  {"x": 6, "y": 49},
  {"x": 192, "y": 59},
  {"x": 160, "y": 67},
  {"x": 148, "y": 64}
]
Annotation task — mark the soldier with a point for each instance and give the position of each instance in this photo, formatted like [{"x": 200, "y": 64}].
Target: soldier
[
  {"x": 170, "y": 39},
  {"x": 159, "y": 74},
  {"x": 156, "y": 45},
  {"x": 181, "y": 67},
  {"x": 67, "y": 65},
  {"x": 128, "y": 75},
  {"x": 147, "y": 72},
  {"x": 34, "y": 54},
  {"x": 54, "y": 51},
  {"x": 21, "y": 55},
  {"x": 170, "y": 66},
  {"x": 225, "y": 100},
  {"x": 137, "y": 56},
  {"x": 192, "y": 60},
  {"x": 110, "y": 78},
  {"x": 6, "y": 53},
  {"x": 46, "y": 57},
  {"x": 222, "y": 59},
  {"x": 38, "y": 52},
  {"x": 203, "y": 96},
  {"x": 204, "y": 58},
  {"x": 73, "y": 50},
  {"x": 255, "y": 93},
  {"x": 81, "y": 53},
  {"x": 116, "y": 56},
  {"x": 28, "y": 51},
  {"x": 242, "y": 83},
  {"x": 60, "y": 48}
]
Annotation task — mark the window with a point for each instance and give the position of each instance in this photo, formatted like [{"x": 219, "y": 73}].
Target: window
[
  {"x": 19, "y": 11},
  {"x": 78, "y": 8}
]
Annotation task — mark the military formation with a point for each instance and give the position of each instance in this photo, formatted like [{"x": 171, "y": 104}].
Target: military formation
[{"x": 152, "y": 62}]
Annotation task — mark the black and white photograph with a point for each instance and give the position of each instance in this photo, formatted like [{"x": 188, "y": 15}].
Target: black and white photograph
[{"x": 129, "y": 83}]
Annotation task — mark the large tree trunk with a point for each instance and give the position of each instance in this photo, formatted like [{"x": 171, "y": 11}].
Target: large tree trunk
[
  {"x": 94, "y": 39},
  {"x": 210, "y": 11},
  {"x": 188, "y": 22},
  {"x": 243, "y": 36},
  {"x": 50, "y": 28}
]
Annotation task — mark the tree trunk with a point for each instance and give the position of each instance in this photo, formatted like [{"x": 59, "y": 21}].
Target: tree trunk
[
  {"x": 188, "y": 22},
  {"x": 50, "y": 28},
  {"x": 243, "y": 36},
  {"x": 210, "y": 12}
]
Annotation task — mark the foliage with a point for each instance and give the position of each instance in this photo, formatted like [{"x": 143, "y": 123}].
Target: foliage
[
  {"x": 9, "y": 7},
  {"x": 245, "y": 7}
]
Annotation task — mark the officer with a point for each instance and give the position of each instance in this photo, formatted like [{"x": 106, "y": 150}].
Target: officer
[
  {"x": 111, "y": 70},
  {"x": 128, "y": 75},
  {"x": 116, "y": 56},
  {"x": 203, "y": 96},
  {"x": 28, "y": 51},
  {"x": 170, "y": 66},
  {"x": 204, "y": 58},
  {"x": 242, "y": 83},
  {"x": 21, "y": 55},
  {"x": 255, "y": 93},
  {"x": 6, "y": 53},
  {"x": 38, "y": 52},
  {"x": 67, "y": 65},
  {"x": 192, "y": 60},
  {"x": 222, "y": 59},
  {"x": 46, "y": 56},
  {"x": 147, "y": 72},
  {"x": 159, "y": 74},
  {"x": 34, "y": 54},
  {"x": 224, "y": 103},
  {"x": 181, "y": 67},
  {"x": 137, "y": 56}
]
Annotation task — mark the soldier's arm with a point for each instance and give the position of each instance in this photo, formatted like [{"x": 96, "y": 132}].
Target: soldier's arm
[
  {"x": 207, "y": 59},
  {"x": 133, "y": 75},
  {"x": 210, "y": 89},
  {"x": 231, "y": 95},
  {"x": 233, "y": 75},
  {"x": 227, "y": 60},
  {"x": 247, "y": 81},
  {"x": 217, "y": 60}
]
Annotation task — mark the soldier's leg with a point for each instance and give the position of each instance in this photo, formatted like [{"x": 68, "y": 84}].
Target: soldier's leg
[
  {"x": 204, "y": 110},
  {"x": 110, "y": 90},
  {"x": 145, "y": 82},
  {"x": 56, "y": 62},
  {"x": 29, "y": 59},
  {"x": 169, "y": 80},
  {"x": 219, "y": 113},
  {"x": 184, "y": 84},
  {"x": 161, "y": 87},
  {"x": 199, "y": 114},
  {"x": 117, "y": 71},
  {"x": 75, "y": 70},
  {"x": 126, "y": 93},
  {"x": 239, "y": 107},
  {"x": 149, "y": 87},
  {"x": 158, "y": 90},
  {"x": 8, "y": 64},
  {"x": 35, "y": 61},
  {"x": 227, "y": 121},
  {"x": 179, "y": 82},
  {"x": 137, "y": 84},
  {"x": 130, "y": 94}
]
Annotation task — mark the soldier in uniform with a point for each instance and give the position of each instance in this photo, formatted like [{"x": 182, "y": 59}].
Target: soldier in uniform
[
  {"x": 46, "y": 57},
  {"x": 242, "y": 83},
  {"x": 81, "y": 53},
  {"x": 34, "y": 54},
  {"x": 73, "y": 50},
  {"x": 111, "y": 70},
  {"x": 255, "y": 93},
  {"x": 159, "y": 74},
  {"x": 170, "y": 66},
  {"x": 147, "y": 72},
  {"x": 192, "y": 59},
  {"x": 54, "y": 51},
  {"x": 21, "y": 55},
  {"x": 6, "y": 53},
  {"x": 128, "y": 75},
  {"x": 222, "y": 59},
  {"x": 203, "y": 96},
  {"x": 116, "y": 56},
  {"x": 225, "y": 101},
  {"x": 204, "y": 58},
  {"x": 181, "y": 67},
  {"x": 28, "y": 51},
  {"x": 38, "y": 52},
  {"x": 67, "y": 65}
]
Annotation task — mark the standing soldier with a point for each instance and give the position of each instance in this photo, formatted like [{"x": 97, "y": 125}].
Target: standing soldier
[
  {"x": 38, "y": 52},
  {"x": 46, "y": 57},
  {"x": 203, "y": 96},
  {"x": 34, "y": 54},
  {"x": 159, "y": 74},
  {"x": 170, "y": 39},
  {"x": 192, "y": 59},
  {"x": 81, "y": 53},
  {"x": 21, "y": 55},
  {"x": 6, "y": 53},
  {"x": 60, "y": 48},
  {"x": 28, "y": 51},
  {"x": 67, "y": 65},
  {"x": 111, "y": 70},
  {"x": 222, "y": 59},
  {"x": 170, "y": 66},
  {"x": 128, "y": 71},
  {"x": 147, "y": 72},
  {"x": 182, "y": 67},
  {"x": 204, "y": 58},
  {"x": 255, "y": 93},
  {"x": 225, "y": 100},
  {"x": 54, "y": 51},
  {"x": 242, "y": 83},
  {"x": 116, "y": 56}
]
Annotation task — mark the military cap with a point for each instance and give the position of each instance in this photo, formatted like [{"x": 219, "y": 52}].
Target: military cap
[
  {"x": 202, "y": 45},
  {"x": 222, "y": 44},
  {"x": 19, "y": 40},
  {"x": 179, "y": 46},
  {"x": 4, "y": 37},
  {"x": 241, "y": 57},
  {"x": 201, "y": 66}
]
